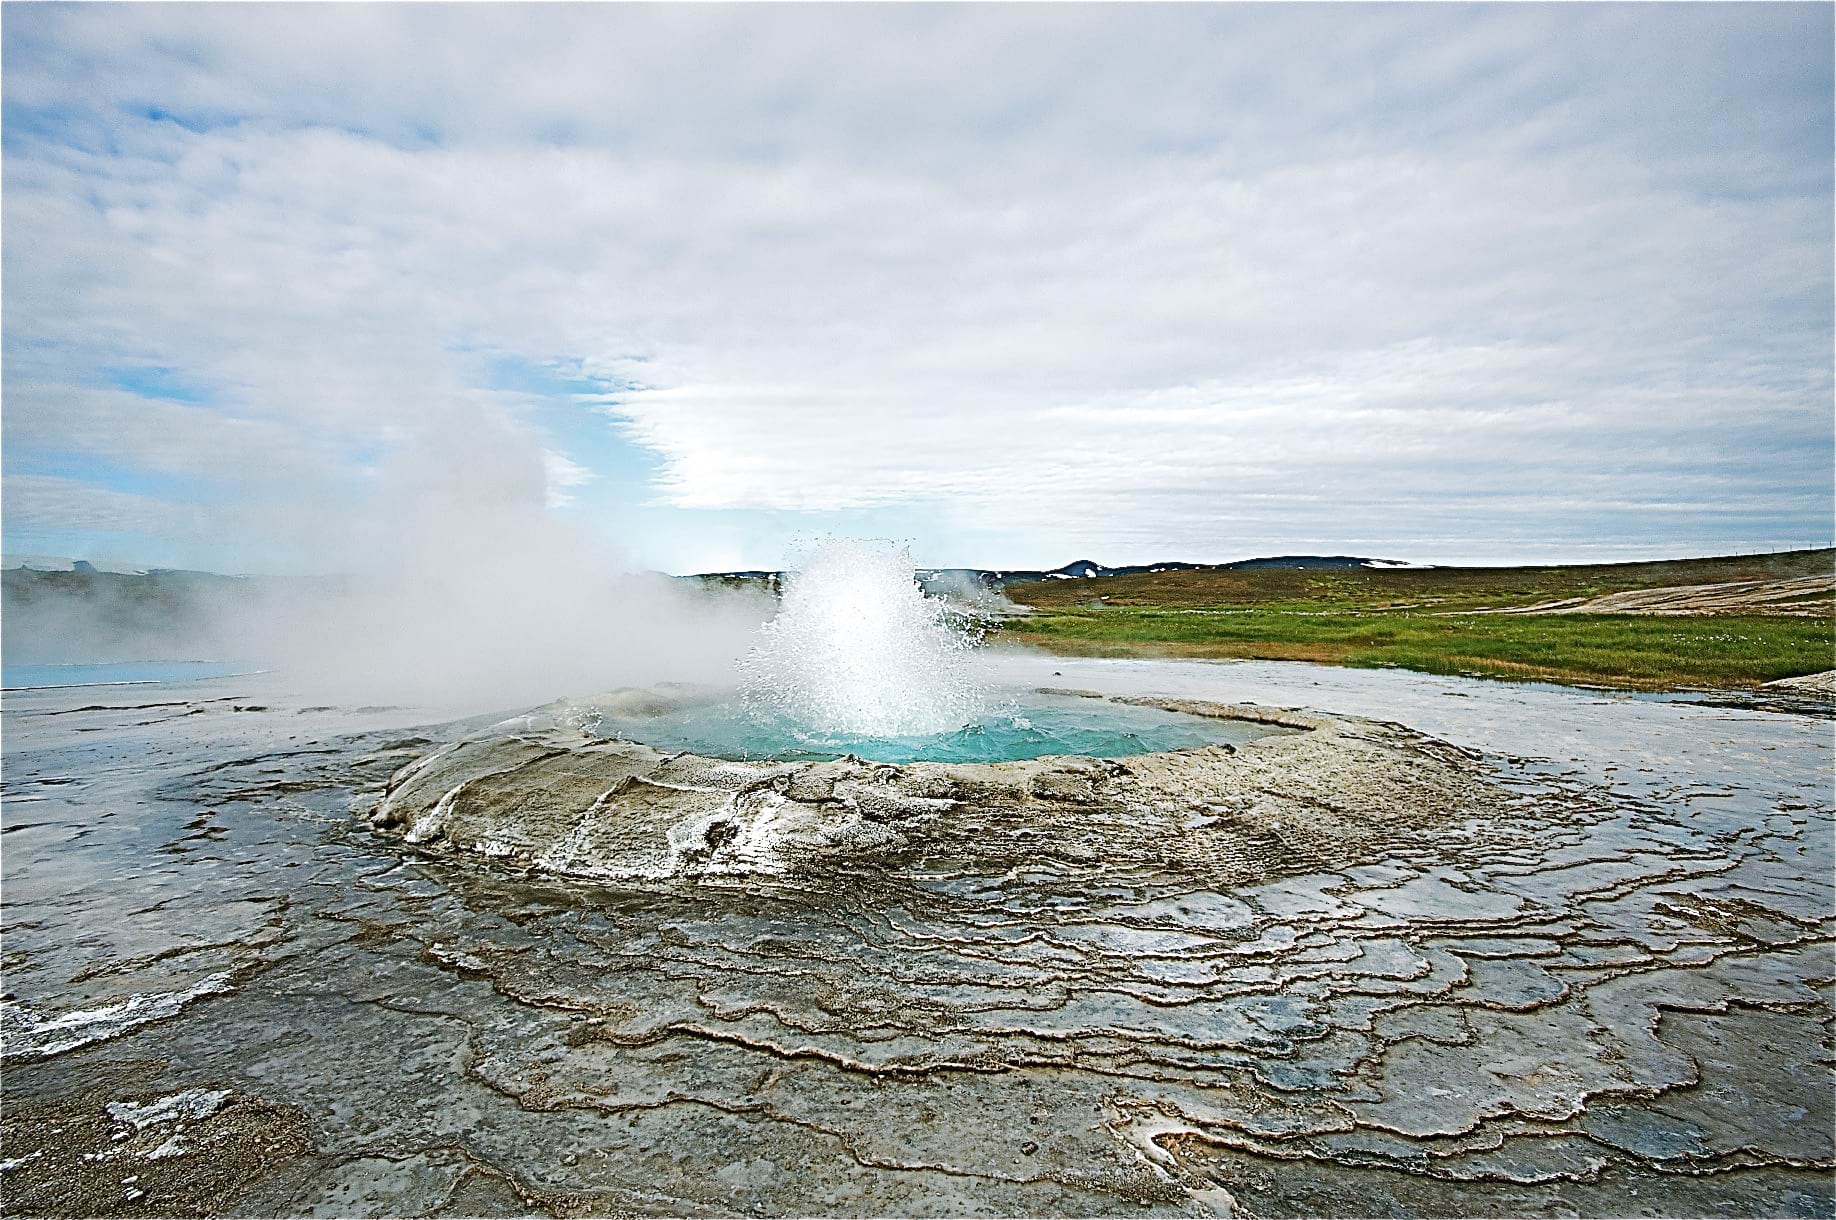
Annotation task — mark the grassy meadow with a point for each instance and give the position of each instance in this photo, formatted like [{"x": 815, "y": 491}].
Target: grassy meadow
[{"x": 1424, "y": 619}]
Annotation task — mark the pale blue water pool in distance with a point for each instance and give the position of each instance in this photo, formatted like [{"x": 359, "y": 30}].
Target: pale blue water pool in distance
[
  {"x": 116, "y": 673},
  {"x": 1031, "y": 726}
]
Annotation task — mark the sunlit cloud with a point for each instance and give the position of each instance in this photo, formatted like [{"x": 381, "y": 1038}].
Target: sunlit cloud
[{"x": 1195, "y": 282}]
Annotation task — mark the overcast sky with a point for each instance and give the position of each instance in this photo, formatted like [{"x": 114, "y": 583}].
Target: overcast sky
[{"x": 1018, "y": 284}]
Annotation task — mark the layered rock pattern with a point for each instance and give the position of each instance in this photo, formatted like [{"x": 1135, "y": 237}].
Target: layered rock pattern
[
  {"x": 1353, "y": 947},
  {"x": 1352, "y": 970}
]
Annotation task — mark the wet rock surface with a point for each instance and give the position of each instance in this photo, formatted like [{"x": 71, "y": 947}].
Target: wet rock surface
[
  {"x": 543, "y": 793},
  {"x": 1540, "y": 952}
]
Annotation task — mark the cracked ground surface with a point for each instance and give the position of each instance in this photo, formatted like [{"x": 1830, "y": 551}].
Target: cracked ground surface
[{"x": 1538, "y": 952}]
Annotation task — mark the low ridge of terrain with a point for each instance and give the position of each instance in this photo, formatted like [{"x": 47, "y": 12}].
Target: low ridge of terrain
[
  {"x": 1725, "y": 622},
  {"x": 956, "y": 580}
]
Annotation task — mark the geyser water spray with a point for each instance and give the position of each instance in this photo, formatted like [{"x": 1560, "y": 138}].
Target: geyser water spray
[{"x": 858, "y": 649}]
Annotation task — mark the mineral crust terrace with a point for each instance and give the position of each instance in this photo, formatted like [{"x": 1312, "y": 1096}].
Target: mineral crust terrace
[{"x": 557, "y": 800}]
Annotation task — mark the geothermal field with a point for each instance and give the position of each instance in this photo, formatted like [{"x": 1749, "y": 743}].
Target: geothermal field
[
  {"x": 899, "y": 920},
  {"x": 1217, "y": 609}
]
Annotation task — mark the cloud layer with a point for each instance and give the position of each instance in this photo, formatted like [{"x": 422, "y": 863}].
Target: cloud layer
[{"x": 1143, "y": 282}]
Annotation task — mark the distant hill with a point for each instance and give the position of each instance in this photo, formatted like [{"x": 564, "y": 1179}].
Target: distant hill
[
  {"x": 85, "y": 613},
  {"x": 63, "y": 563},
  {"x": 1720, "y": 621},
  {"x": 1087, "y": 569},
  {"x": 1319, "y": 583}
]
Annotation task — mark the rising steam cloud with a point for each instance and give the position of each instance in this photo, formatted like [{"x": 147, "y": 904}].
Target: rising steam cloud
[{"x": 449, "y": 581}]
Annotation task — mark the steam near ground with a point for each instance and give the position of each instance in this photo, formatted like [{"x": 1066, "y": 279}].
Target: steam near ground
[
  {"x": 457, "y": 585},
  {"x": 453, "y": 581},
  {"x": 550, "y": 613},
  {"x": 525, "y": 627},
  {"x": 968, "y": 593}
]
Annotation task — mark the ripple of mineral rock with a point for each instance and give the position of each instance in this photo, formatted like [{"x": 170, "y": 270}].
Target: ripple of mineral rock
[
  {"x": 1582, "y": 967},
  {"x": 1351, "y": 946}
]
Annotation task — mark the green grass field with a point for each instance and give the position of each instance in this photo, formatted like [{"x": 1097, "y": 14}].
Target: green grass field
[{"x": 1420, "y": 619}]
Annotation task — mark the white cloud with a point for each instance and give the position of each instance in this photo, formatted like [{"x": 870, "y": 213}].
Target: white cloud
[
  {"x": 1176, "y": 282},
  {"x": 37, "y": 504}
]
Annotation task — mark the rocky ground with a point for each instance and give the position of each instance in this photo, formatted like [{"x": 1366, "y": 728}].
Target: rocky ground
[
  {"x": 1820, "y": 685},
  {"x": 1544, "y": 952}
]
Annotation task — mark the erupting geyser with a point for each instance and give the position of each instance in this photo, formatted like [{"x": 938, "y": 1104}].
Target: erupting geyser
[
  {"x": 860, "y": 661},
  {"x": 857, "y": 648}
]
